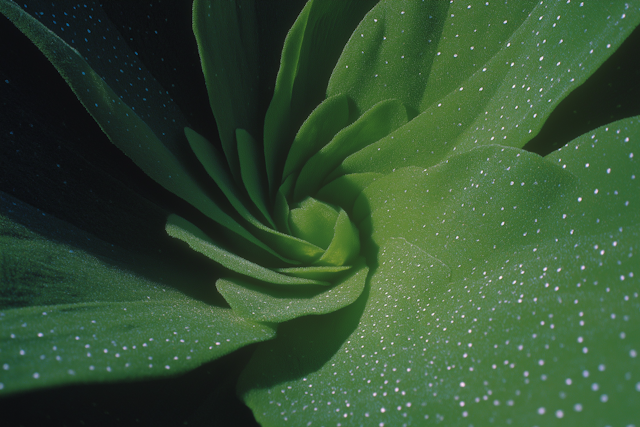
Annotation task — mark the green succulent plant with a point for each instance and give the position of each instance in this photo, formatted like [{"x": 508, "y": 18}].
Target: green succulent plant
[{"x": 389, "y": 236}]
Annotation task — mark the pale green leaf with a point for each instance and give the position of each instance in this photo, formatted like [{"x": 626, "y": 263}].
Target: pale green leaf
[
  {"x": 486, "y": 73},
  {"x": 182, "y": 229},
  {"x": 345, "y": 190},
  {"x": 269, "y": 304},
  {"x": 535, "y": 305},
  {"x": 345, "y": 244},
  {"x": 314, "y": 272},
  {"x": 317, "y": 130}
]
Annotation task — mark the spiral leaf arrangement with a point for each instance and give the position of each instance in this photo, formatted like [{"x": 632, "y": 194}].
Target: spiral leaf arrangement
[
  {"x": 382, "y": 229},
  {"x": 294, "y": 213}
]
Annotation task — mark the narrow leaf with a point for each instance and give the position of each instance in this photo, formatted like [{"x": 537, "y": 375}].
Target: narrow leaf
[
  {"x": 279, "y": 305},
  {"x": 226, "y": 34},
  {"x": 253, "y": 172},
  {"x": 378, "y": 122},
  {"x": 182, "y": 229},
  {"x": 310, "y": 51}
]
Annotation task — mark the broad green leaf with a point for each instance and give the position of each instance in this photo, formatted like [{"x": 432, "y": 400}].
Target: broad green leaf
[
  {"x": 259, "y": 303},
  {"x": 486, "y": 73},
  {"x": 609, "y": 190},
  {"x": 391, "y": 53},
  {"x": 459, "y": 207},
  {"x": 68, "y": 317},
  {"x": 44, "y": 346},
  {"x": 310, "y": 51},
  {"x": 532, "y": 319},
  {"x": 500, "y": 199},
  {"x": 182, "y": 229}
]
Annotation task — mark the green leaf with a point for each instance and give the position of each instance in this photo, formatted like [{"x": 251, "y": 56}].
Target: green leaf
[
  {"x": 479, "y": 74},
  {"x": 267, "y": 304},
  {"x": 520, "y": 285},
  {"x": 345, "y": 244},
  {"x": 500, "y": 286},
  {"x": 252, "y": 172},
  {"x": 345, "y": 190},
  {"x": 281, "y": 213},
  {"x": 318, "y": 368},
  {"x": 318, "y": 129},
  {"x": 182, "y": 229},
  {"x": 378, "y": 122},
  {"x": 391, "y": 53},
  {"x": 608, "y": 170},
  {"x": 68, "y": 317},
  {"x": 313, "y": 221},
  {"x": 309, "y": 54},
  {"x": 121, "y": 124},
  {"x": 228, "y": 44},
  {"x": 494, "y": 200},
  {"x": 327, "y": 227},
  {"x": 458, "y": 208},
  {"x": 288, "y": 248},
  {"x": 213, "y": 163},
  {"x": 314, "y": 272}
]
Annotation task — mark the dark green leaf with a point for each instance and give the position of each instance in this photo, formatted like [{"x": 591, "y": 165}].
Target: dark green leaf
[{"x": 68, "y": 317}]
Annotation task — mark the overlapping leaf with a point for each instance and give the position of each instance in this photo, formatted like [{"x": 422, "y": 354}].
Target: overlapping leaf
[
  {"x": 508, "y": 293},
  {"x": 479, "y": 74},
  {"x": 69, "y": 317},
  {"x": 499, "y": 285}
]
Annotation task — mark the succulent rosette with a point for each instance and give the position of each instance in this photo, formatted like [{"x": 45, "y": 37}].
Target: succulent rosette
[{"x": 381, "y": 231}]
